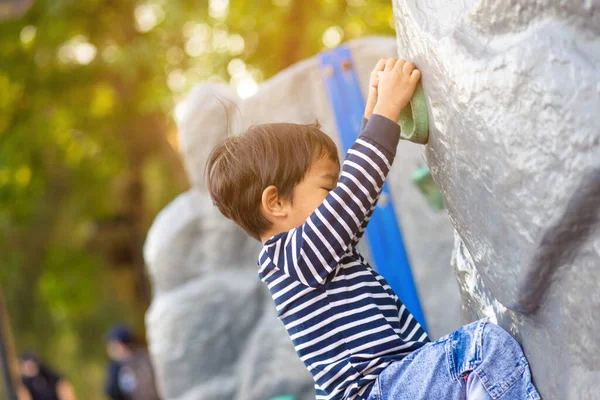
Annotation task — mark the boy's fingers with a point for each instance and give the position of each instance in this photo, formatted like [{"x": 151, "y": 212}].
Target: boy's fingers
[
  {"x": 389, "y": 64},
  {"x": 399, "y": 64},
  {"x": 408, "y": 68},
  {"x": 380, "y": 64},
  {"x": 415, "y": 75}
]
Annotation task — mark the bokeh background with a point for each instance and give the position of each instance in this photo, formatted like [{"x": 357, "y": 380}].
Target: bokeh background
[{"x": 89, "y": 94}]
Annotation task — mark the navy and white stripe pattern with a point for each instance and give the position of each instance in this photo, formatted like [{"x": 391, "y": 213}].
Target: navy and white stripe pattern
[{"x": 344, "y": 320}]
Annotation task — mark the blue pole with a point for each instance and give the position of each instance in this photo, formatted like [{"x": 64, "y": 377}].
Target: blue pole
[{"x": 383, "y": 232}]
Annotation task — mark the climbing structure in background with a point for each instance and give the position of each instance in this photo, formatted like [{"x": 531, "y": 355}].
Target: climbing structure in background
[
  {"x": 212, "y": 328},
  {"x": 513, "y": 90}
]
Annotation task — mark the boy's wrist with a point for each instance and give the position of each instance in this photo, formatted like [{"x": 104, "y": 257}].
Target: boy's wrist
[
  {"x": 383, "y": 131},
  {"x": 371, "y": 102},
  {"x": 369, "y": 111},
  {"x": 385, "y": 111}
]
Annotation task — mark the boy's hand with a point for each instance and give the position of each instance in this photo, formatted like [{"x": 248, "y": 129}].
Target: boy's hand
[
  {"x": 373, "y": 82},
  {"x": 396, "y": 87}
]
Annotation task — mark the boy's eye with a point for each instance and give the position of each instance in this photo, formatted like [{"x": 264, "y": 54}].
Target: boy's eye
[{"x": 328, "y": 189}]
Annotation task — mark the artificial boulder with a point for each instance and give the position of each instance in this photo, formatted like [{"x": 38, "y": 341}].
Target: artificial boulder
[{"x": 513, "y": 99}]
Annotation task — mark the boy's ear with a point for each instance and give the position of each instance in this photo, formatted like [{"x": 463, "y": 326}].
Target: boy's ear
[{"x": 273, "y": 206}]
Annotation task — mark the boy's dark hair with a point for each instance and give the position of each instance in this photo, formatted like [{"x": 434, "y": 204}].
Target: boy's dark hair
[{"x": 241, "y": 167}]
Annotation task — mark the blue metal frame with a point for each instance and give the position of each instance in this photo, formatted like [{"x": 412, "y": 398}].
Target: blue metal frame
[{"x": 383, "y": 232}]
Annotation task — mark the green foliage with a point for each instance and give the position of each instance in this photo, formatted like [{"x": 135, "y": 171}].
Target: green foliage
[{"x": 88, "y": 157}]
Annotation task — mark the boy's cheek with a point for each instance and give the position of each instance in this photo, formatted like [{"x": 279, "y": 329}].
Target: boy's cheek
[{"x": 309, "y": 207}]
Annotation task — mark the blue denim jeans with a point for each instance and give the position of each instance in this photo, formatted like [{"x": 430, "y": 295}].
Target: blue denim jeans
[{"x": 478, "y": 361}]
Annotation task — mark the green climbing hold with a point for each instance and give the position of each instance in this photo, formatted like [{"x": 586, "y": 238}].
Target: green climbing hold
[
  {"x": 414, "y": 122},
  {"x": 423, "y": 179},
  {"x": 285, "y": 397}
]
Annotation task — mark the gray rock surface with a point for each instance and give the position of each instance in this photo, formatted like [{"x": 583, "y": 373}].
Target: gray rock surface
[
  {"x": 266, "y": 356},
  {"x": 199, "y": 331},
  {"x": 211, "y": 327},
  {"x": 513, "y": 92}
]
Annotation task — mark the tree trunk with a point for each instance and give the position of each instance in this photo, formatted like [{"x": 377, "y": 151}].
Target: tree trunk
[
  {"x": 296, "y": 32},
  {"x": 137, "y": 211},
  {"x": 10, "y": 378}
]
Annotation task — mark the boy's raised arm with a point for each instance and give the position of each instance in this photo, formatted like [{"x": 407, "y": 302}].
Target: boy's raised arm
[
  {"x": 310, "y": 252},
  {"x": 364, "y": 224},
  {"x": 369, "y": 107}
]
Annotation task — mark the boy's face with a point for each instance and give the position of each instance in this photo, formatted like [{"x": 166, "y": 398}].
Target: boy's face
[{"x": 319, "y": 180}]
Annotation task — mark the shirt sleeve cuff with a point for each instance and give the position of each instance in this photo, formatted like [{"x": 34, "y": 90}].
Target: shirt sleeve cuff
[
  {"x": 364, "y": 124},
  {"x": 383, "y": 131}
]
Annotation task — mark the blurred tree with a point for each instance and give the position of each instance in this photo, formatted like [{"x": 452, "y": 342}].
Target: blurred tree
[
  {"x": 88, "y": 149},
  {"x": 9, "y": 378}
]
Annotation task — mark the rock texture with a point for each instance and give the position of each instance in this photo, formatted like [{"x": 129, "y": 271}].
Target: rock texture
[
  {"x": 513, "y": 91},
  {"x": 212, "y": 328}
]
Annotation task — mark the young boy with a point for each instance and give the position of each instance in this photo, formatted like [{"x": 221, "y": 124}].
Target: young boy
[{"x": 281, "y": 183}]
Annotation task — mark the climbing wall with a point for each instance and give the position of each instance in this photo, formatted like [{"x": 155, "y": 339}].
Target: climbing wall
[{"x": 514, "y": 97}]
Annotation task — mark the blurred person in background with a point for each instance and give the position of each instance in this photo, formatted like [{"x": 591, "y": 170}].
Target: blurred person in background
[
  {"x": 41, "y": 382},
  {"x": 130, "y": 375}
]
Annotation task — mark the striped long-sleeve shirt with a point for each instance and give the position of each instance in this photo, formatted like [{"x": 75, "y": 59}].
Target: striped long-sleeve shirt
[{"x": 344, "y": 320}]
